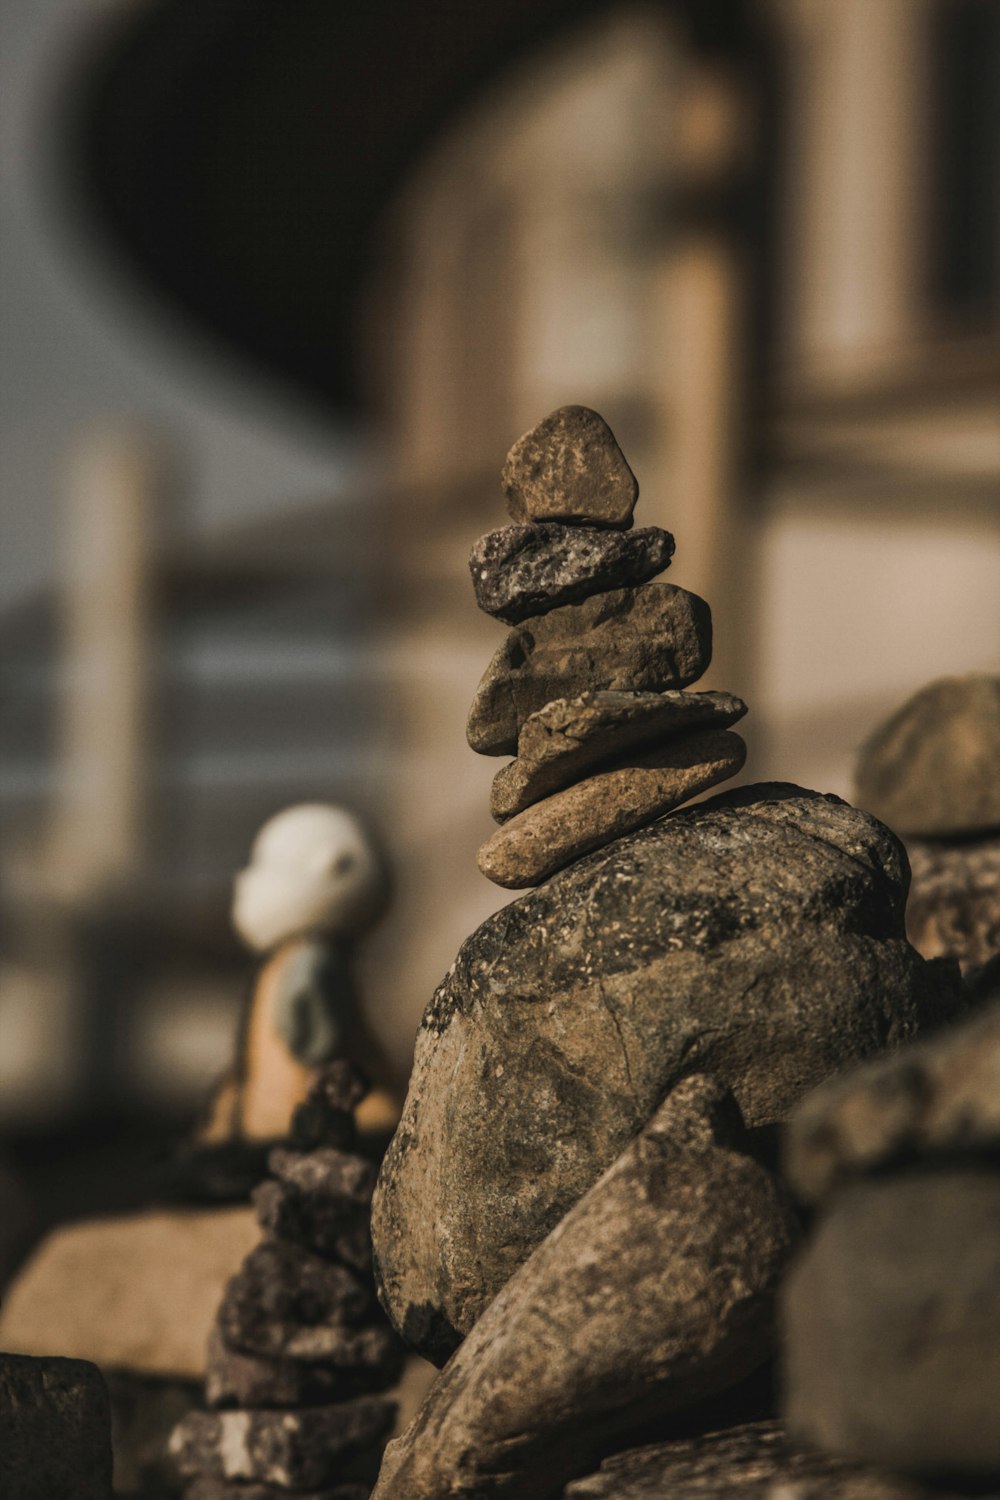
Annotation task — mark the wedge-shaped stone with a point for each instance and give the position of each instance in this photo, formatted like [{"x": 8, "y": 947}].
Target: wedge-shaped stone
[
  {"x": 526, "y": 570},
  {"x": 655, "y": 1291},
  {"x": 570, "y": 468},
  {"x": 570, "y": 736},
  {"x": 643, "y": 639},
  {"x": 590, "y": 814}
]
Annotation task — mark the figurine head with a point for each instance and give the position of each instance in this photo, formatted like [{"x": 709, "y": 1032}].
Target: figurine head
[{"x": 313, "y": 868}]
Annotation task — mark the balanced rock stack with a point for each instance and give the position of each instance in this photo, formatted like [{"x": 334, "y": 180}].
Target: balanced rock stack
[
  {"x": 587, "y": 687},
  {"x": 300, "y": 1349}
]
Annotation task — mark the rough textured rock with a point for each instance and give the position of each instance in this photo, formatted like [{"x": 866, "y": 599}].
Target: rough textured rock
[
  {"x": 756, "y": 1460},
  {"x": 570, "y": 736},
  {"x": 109, "y": 1289},
  {"x": 936, "y": 1097},
  {"x": 366, "y": 1359},
  {"x": 646, "y": 639},
  {"x": 320, "y": 1199},
  {"x": 757, "y": 936},
  {"x": 285, "y": 1301},
  {"x": 526, "y": 570},
  {"x": 654, "y": 1291},
  {"x": 954, "y": 905},
  {"x": 892, "y": 1325},
  {"x": 570, "y": 468},
  {"x": 55, "y": 1430},
  {"x": 326, "y": 1115},
  {"x": 296, "y": 1450},
  {"x": 934, "y": 768},
  {"x": 609, "y": 803}
]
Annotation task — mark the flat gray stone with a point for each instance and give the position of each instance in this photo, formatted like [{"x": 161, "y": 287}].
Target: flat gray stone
[
  {"x": 933, "y": 769},
  {"x": 754, "y": 1461},
  {"x": 570, "y": 468},
  {"x": 55, "y": 1430},
  {"x": 892, "y": 1325},
  {"x": 526, "y": 570},
  {"x": 571, "y": 736},
  {"x": 364, "y": 1360},
  {"x": 284, "y": 1301},
  {"x": 298, "y": 1450},
  {"x": 648, "y": 638},
  {"x": 757, "y": 937},
  {"x": 654, "y": 1292},
  {"x": 937, "y": 1097},
  {"x": 588, "y": 815}
]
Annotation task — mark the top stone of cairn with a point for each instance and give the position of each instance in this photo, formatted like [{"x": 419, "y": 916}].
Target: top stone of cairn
[{"x": 570, "y": 468}]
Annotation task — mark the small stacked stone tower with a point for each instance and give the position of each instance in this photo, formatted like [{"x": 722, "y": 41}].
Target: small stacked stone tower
[
  {"x": 587, "y": 689},
  {"x": 300, "y": 1345}
]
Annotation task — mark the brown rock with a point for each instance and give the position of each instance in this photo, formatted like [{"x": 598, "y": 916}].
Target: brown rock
[
  {"x": 569, "y": 824},
  {"x": 110, "y": 1289},
  {"x": 55, "y": 1430},
  {"x": 570, "y": 468},
  {"x": 954, "y": 905},
  {"x": 934, "y": 769},
  {"x": 571, "y": 736},
  {"x": 754, "y": 1461},
  {"x": 364, "y": 1360},
  {"x": 527, "y": 570},
  {"x": 892, "y": 1324},
  {"x": 285, "y": 1301},
  {"x": 654, "y": 1291},
  {"x": 940, "y": 1097},
  {"x": 646, "y": 639},
  {"x": 298, "y": 1450}
]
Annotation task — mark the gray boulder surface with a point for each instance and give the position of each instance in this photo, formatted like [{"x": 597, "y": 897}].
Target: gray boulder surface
[
  {"x": 648, "y": 638},
  {"x": 570, "y": 468},
  {"x": 55, "y": 1430},
  {"x": 938, "y": 1097},
  {"x": 892, "y": 1324},
  {"x": 610, "y": 802},
  {"x": 757, "y": 937},
  {"x": 570, "y": 737},
  {"x": 655, "y": 1290},
  {"x": 933, "y": 769},
  {"x": 525, "y": 570},
  {"x": 753, "y": 1461}
]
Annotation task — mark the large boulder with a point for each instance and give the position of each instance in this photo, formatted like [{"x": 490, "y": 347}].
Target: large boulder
[{"x": 757, "y": 937}]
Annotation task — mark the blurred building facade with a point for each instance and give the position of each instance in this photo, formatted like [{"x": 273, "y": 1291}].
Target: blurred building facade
[{"x": 777, "y": 276}]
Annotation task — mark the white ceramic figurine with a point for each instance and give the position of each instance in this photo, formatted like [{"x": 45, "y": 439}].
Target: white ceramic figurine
[{"x": 313, "y": 885}]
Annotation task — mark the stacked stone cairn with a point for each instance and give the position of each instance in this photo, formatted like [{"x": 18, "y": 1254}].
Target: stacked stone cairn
[
  {"x": 300, "y": 1351},
  {"x": 587, "y": 687},
  {"x": 582, "y": 1215}
]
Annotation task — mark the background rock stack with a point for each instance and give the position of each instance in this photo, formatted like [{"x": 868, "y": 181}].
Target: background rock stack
[
  {"x": 300, "y": 1347},
  {"x": 586, "y": 689}
]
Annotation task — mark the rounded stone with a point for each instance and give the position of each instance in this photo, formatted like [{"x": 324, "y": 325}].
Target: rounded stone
[
  {"x": 757, "y": 937},
  {"x": 570, "y": 468}
]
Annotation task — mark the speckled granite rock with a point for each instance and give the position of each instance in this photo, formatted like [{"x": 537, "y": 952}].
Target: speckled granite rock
[
  {"x": 648, "y": 638},
  {"x": 295, "y": 1450},
  {"x": 939, "y": 1097},
  {"x": 892, "y": 1324},
  {"x": 285, "y": 1301},
  {"x": 934, "y": 768},
  {"x": 55, "y": 1430},
  {"x": 755, "y": 1461},
  {"x": 757, "y": 937},
  {"x": 570, "y": 737},
  {"x": 526, "y": 570},
  {"x": 654, "y": 1291},
  {"x": 570, "y": 468},
  {"x": 954, "y": 905},
  {"x": 361, "y": 1361},
  {"x": 609, "y": 803}
]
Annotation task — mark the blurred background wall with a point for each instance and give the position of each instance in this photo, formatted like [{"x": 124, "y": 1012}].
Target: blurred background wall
[{"x": 281, "y": 286}]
